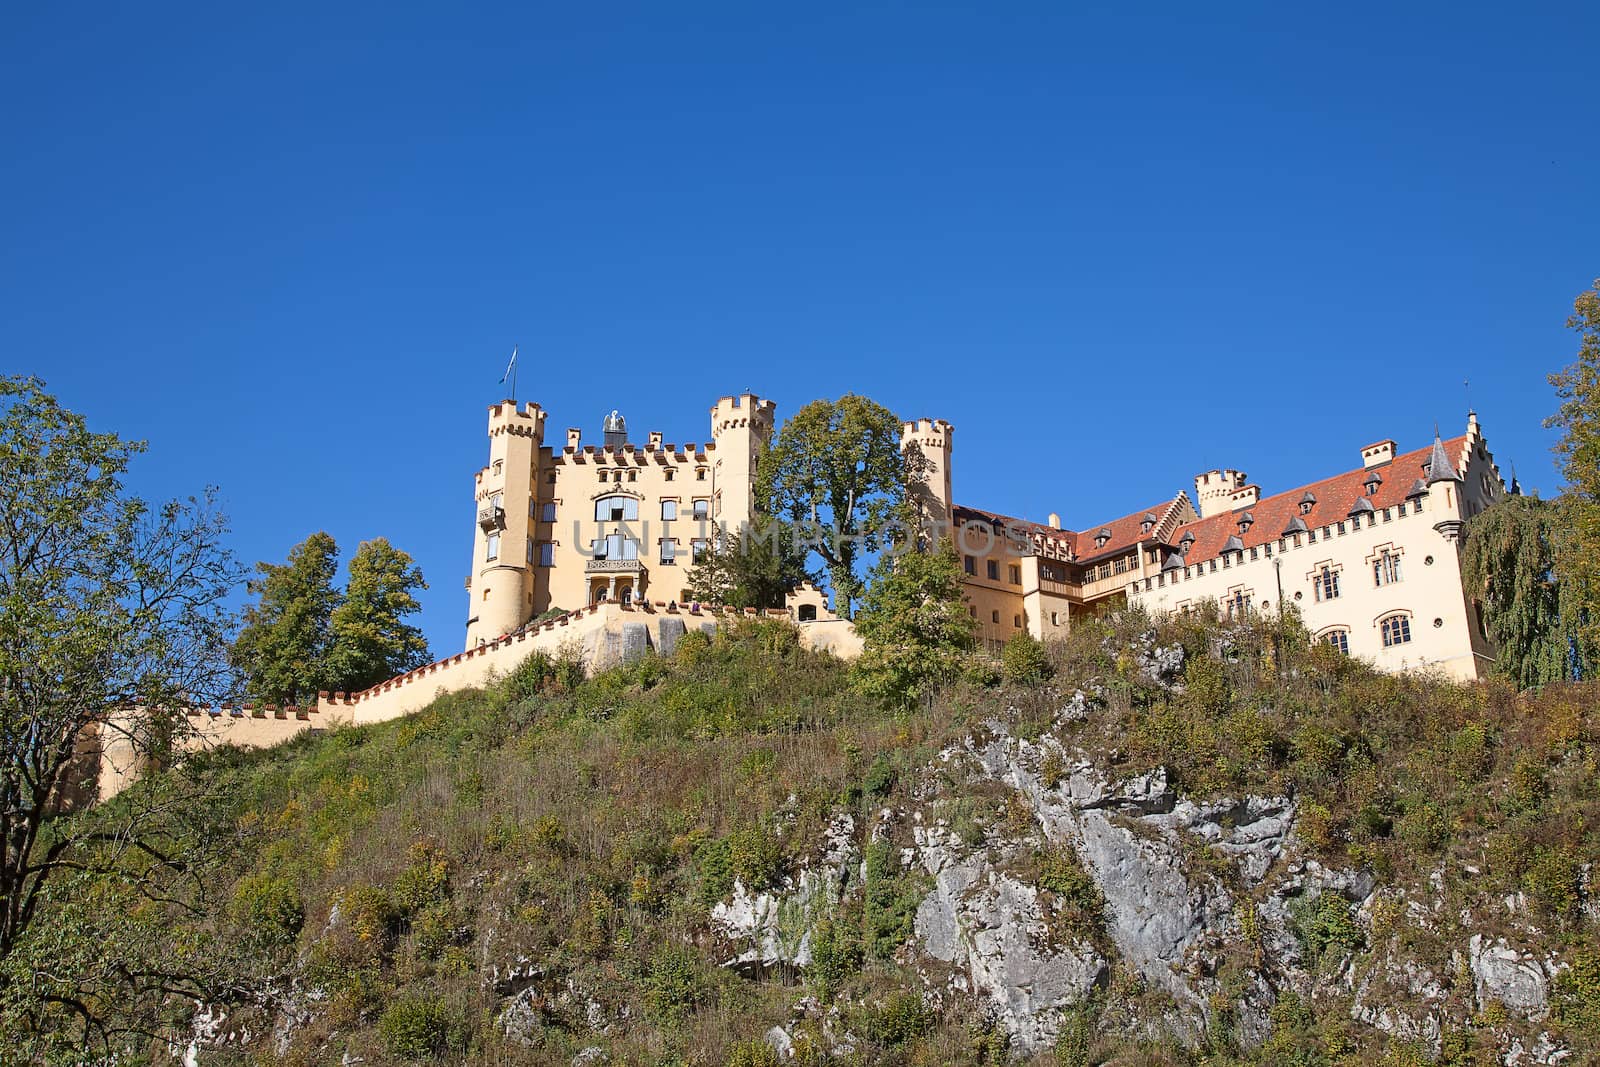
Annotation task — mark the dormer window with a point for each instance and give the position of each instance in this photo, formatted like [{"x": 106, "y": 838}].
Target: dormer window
[
  {"x": 1244, "y": 523},
  {"x": 1102, "y": 537},
  {"x": 1374, "y": 480},
  {"x": 1307, "y": 502},
  {"x": 1147, "y": 523}
]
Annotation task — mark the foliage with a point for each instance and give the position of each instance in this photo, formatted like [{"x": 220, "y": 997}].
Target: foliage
[
  {"x": 282, "y": 648},
  {"x": 107, "y": 604},
  {"x": 890, "y": 903},
  {"x": 270, "y": 905},
  {"x": 420, "y": 1027},
  {"x": 369, "y": 639},
  {"x": 915, "y": 630},
  {"x": 758, "y": 569},
  {"x": 1578, "y": 419},
  {"x": 674, "y": 985},
  {"x": 838, "y": 466},
  {"x": 1508, "y": 563},
  {"x": 1025, "y": 661},
  {"x": 1325, "y": 925}
]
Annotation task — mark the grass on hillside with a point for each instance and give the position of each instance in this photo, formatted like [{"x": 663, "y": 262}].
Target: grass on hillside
[{"x": 565, "y": 839}]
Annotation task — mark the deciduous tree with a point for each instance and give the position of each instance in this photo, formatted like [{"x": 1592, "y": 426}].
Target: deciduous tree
[
  {"x": 837, "y": 465},
  {"x": 1578, "y": 419},
  {"x": 1508, "y": 564},
  {"x": 111, "y": 616},
  {"x": 370, "y": 638},
  {"x": 282, "y": 650},
  {"x": 758, "y": 569},
  {"x": 917, "y": 634}
]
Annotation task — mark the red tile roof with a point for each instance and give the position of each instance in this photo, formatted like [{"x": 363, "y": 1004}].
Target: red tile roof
[
  {"x": 1334, "y": 498},
  {"x": 1125, "y": 532}
]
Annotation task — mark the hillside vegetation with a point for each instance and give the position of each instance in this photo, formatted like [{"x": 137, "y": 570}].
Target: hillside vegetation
[{"x": 1160, "y": 842}]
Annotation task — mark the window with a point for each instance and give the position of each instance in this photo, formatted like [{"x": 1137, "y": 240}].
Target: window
[
  {"x": 969, "y": 565},
  {"x": 616, "y": 509},
  {"x": 994, "y": 616},
  {"x": 1120, "y": 565},
  {"x": 544, "y": 553},
  {"x": 1016, "y": 621},
  {"x": 1237, "y": 604},
  {"x": 699, "y": 474},
  {"x": 1386, "y": 568},
  {"x": 1325, "y": 584},
  {"x": 1339, "y": 639},
  {"x": 547, "y": 512},
  {"x": 972, "y": 611},
  {"x": 669, "y": 510},
  {"x": 669, "y": 551},
  {"x": 667, "y": 473},
  {"x": 992, "y": 569},
  {"x": 698, "y": 549},
  {"x": 702, "y": 508},
  {"x": 499, "y": 466},
  {"x": 492, "y": 551},
  {"x": 1014, "y": 574},
  {"x": 1396, "y": 630},
  {"x": 1055, "y": 619}
]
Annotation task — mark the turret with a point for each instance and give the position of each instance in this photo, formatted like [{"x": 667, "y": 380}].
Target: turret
[
  {"x": 741, "y": 426},
  {"x": 500, "y": 583},
  {"x": 1220, "y": 490},
  {"x": 934, "y": 439}
]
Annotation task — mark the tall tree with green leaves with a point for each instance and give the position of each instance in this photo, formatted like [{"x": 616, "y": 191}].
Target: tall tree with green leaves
[
  {"x": 370, "y": 639},
  {"x": 837, "y": 467},
  {"x": 282, "y": 650},
  {"x": 1508, "y": 565},
  {"x": 757, "y": 569},
  {"x": 916, "y": 632},
  {"x": 111, "y": 612},
  {"x": 1578, "y": 419}
]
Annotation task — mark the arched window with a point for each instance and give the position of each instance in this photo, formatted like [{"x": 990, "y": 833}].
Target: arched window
[
  {"x": 1338, "y": 637},
  {"x": 1325, "y": 583},
  {"x": 616, "y": 509},
  {"x": 1396, "y": 630},
  {"x": 1386, "y": 568}
]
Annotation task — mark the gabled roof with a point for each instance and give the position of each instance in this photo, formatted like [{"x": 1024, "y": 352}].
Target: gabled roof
[
  {"x": 1331, "y": 501},
  {"x": 1064, "y": 541},
  {"x": 1120, "y": 534}
]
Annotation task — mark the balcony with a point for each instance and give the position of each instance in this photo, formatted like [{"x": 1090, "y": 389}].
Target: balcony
[
  {"x": 614, "y": 566},
  {"x": 492, "y": 518}
]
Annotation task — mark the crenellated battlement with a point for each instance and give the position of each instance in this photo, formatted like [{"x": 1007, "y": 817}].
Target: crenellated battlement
[
  {"x": 744, "y": 410},
  {"x": 525, "y": 420}
]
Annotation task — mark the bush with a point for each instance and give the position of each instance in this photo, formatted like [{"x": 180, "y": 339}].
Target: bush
[
  {"x": 269, "y": 905},
  {"x": 1555, "y": 882},
  {"x": 1024, "y": 660},
  {"x": 754, "y": 1053},
  {"x": 674, "y": 986},
  {"x": 418, "y": 1027},
  {"x": 1325, "y": 924},
  {"x": 891, "y": 896},
  {"x": 900, "y": 1017},
  {"x": 1062, "y": 876},
  {"x": 880, "y": 776},
  {"x": 756, "y": 857}
]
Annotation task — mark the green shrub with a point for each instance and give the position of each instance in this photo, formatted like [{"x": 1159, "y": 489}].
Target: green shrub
[
  {"x": 269, "y": 905},
  {"x": 1424, "y": 826},
  {"x": 1555, "y": 882},
  {"x": 835, "y": 956},
  {"x": 890, "y": 900},
  {"x": 1325, "y": 925},
  {"x": 714, "y": 862},
  {"x": 1075, "y": 1040},
  {"x": 900, "y": 1017},
  {"x": 880, "y": 776},
  {"x": 753, "y": 1053},
  {"x": 1063, "y": 877},
  {"x": 1025, "y": 661},
  {"x": 756, "y": 857},
  {"x": 422, "y": 883},
  {"x": 418, "y": 1027},
  {"x": 674, "y": 985},
  {"x": 530, "y": 676},
  {"x": 1575, "y": 997}
]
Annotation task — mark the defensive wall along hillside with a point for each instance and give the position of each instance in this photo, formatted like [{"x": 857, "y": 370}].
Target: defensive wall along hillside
[{"x": 602, "y": 635}]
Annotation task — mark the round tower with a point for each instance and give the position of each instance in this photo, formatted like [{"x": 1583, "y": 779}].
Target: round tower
[
  {"x": 500, "y": 586},
  {"x": 933, "y": 439},
  {"x": 741, "y": 426}
]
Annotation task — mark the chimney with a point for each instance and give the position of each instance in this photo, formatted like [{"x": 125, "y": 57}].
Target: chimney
[
  {"x": 1375, "y": 454},
  {"x": 574, "y": 438},
  {"x": 655, "y": 441},
  {"x": 1055, "y": 521}
]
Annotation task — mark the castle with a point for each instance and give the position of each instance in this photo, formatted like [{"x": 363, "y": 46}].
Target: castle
[
  {"x": 1370, "y": 557},
  {"x": 585, "y": 551}
]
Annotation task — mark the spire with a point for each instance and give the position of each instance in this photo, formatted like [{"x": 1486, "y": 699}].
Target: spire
[{"x": 1440, "y": 469}]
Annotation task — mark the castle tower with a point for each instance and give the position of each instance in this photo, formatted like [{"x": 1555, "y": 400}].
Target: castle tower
[
  {"x": 500, "y": 586},
  {"x": 1216, "y": 491},
  {"x": 934, "y": 438},
  {"x": 741, "y": 426}
]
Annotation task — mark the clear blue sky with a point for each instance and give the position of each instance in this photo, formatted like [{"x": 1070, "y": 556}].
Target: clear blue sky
[{"x": 292, "y": 245}]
